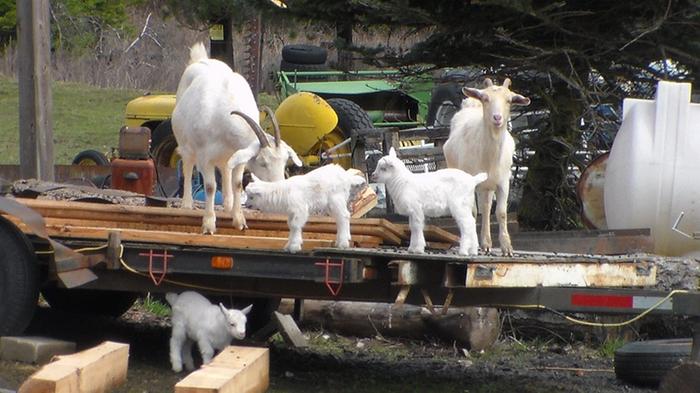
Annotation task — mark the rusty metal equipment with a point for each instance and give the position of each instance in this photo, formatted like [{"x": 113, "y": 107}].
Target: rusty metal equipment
[{"x": 134, "y": 170}]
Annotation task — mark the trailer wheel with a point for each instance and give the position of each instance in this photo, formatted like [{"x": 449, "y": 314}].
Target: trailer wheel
[
  {"x": 87, "y": 301},
  {"x": 19, "y": 275},
  {"x": 646, "y": 362},
  {"x": 291, "y": 67}
]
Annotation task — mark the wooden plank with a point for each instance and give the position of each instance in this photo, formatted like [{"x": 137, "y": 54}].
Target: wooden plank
[
  {"x": 289, "y": 330},
  {"x": 98, "y": 369},
  {"x": 235, "y": 369},
  {"x": 432, "y": 233},
  {"x": 173, "y": 216},
  {"x": 366, "y": 201}
]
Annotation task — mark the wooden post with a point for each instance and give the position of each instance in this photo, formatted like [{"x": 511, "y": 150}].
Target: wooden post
[{"x": 34, "y": 65}]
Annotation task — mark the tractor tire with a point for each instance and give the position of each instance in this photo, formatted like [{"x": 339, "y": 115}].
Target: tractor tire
[
  {"x": 86, "y": 301},
  {"x": 646, "y": 362},
  {"x": 19, "y": 277},
  {"x": 291, "y": 67},
  {"x": 163, "y": 145},
  {"x": 351, "y": 117},
  {"x": 445, "y": 101},
  {"x": 90, "y": 157},
  {"x": 304, "y": 54}
]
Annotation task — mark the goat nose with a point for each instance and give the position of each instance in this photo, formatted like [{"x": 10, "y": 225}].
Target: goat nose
[{"x": 498, "y": 118}]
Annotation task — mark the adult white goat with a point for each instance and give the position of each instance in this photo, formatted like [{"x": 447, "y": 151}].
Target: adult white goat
[
  {"x": 432, "y": 194},
  {"x": 216, "y": 116},
  {"x": 195, "y": 319},
  {"x": 324, "y": 190},
  {"x": 479, "y": 141}
]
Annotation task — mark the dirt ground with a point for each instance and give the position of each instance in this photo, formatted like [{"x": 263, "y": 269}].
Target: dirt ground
[{"x": 344, "y": 364}]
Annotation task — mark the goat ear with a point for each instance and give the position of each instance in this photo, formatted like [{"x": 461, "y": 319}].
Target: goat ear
[
  {"x": 392, "y": 152},
  {"x": 475, "y": 93},
  {"x": 295, "y": 158},
  {"x": 223, "y": 310},
  {"x": 517, "y": 99},
  {"x": 241, "y": 157},
  {"x": 247, "y": 309}
]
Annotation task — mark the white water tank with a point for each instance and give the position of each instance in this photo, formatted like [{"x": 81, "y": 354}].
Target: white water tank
[{"x": 653, "y": 172}]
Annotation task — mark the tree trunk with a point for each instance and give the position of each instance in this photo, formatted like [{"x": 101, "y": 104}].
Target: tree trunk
[
  {"x": 476, "y": 328},
  {"x": 549, "y": 197}
]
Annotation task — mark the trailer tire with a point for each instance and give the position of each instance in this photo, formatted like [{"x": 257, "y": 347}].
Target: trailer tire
[
  {"x": 445, "y": 101},
  {"x": 304, "y": 54},
  {"x": 646, "y": 362},
  {"x": 87, "y": 301},
  {"x": 90, "y": 157},
  {"x": 19, "y": 277}
]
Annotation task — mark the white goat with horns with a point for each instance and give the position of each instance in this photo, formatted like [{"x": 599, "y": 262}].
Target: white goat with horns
[
  {"x": 479, "y": 141},
  {"x": 215, "y": 123}
]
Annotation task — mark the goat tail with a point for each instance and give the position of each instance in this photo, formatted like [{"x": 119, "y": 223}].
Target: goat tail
[
  {"x": 171, "y": 298},
  {"x": 198, "y": 52},
  {"x": 480, "y": 177}
]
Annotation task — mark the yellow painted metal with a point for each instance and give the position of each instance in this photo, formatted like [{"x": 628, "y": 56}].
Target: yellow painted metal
[
  {"x": 565, "y": 274},
  {"x": 148, "y": 108},
  {"x": 305, "y": 119}
]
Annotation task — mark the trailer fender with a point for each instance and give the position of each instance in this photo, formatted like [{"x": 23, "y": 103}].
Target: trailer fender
[{"x": 70, "y": 266}]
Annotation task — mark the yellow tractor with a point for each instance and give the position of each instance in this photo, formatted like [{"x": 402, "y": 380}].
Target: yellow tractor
[{"x": 308, "y": 123}]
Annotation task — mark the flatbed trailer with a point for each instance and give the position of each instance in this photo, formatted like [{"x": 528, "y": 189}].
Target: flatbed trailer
[{"x": 138, "y": 249}]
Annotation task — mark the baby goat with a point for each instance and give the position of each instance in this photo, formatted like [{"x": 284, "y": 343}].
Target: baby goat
[
  {"x": 194, "y": 318},
  {"x": 323, "y": 191},
  {"x": 434, "y": 194}
]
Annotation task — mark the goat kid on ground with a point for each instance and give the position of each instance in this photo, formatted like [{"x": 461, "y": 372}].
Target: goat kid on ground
[
  {"x": 323, "y": 191},
  {"x": 434, "y": 194},
  {"x": 216, "y": 124},
  {"x": 479, "y": 141},
  {"x": 195, "y": 319}
]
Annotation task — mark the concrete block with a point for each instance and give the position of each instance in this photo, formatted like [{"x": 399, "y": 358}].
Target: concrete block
[{"x": 38, "y": 350}]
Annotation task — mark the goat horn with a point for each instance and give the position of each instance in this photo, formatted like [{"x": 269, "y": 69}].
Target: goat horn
[
  {"x": 275, "y": 124},
  {"x": 256, "y": 128},
  {"x": 506, "y": 83},
  {"x": 488, "y": 82}
]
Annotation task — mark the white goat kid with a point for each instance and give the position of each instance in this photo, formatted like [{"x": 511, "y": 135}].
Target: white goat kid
[
  {"x": 433, "y": 194},
  {"x": 479, "y": 141},
  {"x": 208, "y": 135},
  {"x": 195, "y": 319},
  {"x": 323, "y": 191}
]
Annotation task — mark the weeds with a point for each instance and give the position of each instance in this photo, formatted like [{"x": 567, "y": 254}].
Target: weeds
[
  {"x": 155, "y": 307},
  {"x": 609, "y": 346}
]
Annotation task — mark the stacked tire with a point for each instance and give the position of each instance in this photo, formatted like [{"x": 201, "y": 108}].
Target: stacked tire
[{"x": 303, "y": 58}]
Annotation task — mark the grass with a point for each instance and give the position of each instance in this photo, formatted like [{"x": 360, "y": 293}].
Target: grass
[
  {"x": 84, "y": 117},
  {"x": 154, "y": 306},
  {"x": 609, "y": 346}
]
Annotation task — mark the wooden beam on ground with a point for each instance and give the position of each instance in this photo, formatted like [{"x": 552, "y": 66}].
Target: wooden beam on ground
[
  {"x": 97, "y": 369},
  {"x": 289, "y": 330},
  {"x": 235, "y": 369}
]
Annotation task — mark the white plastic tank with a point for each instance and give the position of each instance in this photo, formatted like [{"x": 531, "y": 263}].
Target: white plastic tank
[{"x": 653, "y": 172}]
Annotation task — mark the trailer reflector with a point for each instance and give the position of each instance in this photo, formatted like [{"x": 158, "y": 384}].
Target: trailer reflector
[
  {"x": 620, "y": 301},
  {"x": 222, "y": 262}
]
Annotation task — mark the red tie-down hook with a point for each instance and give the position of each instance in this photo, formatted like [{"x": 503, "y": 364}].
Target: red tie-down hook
[
  {"x": 333, "y": 285},
  {"x": 151, "y": 255}
]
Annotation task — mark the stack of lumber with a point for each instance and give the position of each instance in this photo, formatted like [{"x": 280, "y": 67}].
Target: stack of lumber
[{"x": 82, "y": 220}]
